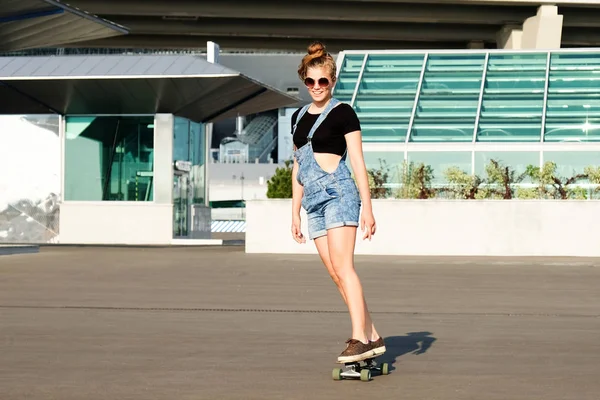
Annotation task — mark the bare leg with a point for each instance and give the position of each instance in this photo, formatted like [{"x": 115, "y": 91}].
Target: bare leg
[
  {"x": 323, "y": 249},
  {"x": 340, "y": 242}
]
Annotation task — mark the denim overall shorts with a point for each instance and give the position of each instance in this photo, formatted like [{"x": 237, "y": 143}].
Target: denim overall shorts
[{"x": 331, "y": 199}]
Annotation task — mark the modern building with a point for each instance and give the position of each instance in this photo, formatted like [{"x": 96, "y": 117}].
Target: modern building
[
  {"x": 112, "y": 149},
  {"x": 463, "y": 108}
]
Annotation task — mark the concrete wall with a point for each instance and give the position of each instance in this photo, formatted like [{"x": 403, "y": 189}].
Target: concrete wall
[
  {"x": 116, "y": 223},
  {"x": 446, "y": 227}
]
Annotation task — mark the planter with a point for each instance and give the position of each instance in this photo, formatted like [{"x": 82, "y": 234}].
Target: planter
[{"x": 446, "y": 228}]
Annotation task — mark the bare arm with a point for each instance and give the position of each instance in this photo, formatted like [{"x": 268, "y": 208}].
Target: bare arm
[
  {"x": 354, "y": 142},
  {"x": 297, "y": 190}
]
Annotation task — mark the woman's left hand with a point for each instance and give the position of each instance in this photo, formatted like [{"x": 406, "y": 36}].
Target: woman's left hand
[{"x": 367, "y": 224}]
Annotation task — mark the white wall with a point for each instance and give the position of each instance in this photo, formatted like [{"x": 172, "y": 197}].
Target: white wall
[
  {"x": 447, "y": 227},
  {"x": 116, "y": 223}
]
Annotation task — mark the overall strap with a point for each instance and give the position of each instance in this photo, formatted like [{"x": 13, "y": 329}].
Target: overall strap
[
  {"x": 303, "y": 110},
  {"x": 332, "y": 103}
]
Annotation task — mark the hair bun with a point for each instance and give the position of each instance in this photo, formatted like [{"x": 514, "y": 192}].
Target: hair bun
[
  {"x": 317, "y": 49},
  {"x": 317, "y": 57}
]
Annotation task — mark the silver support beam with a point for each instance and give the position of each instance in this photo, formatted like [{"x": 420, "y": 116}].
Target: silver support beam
[
  {"x": 545, "y": 103},
  {"x": 340, "y": 64},
  {"x": 360, "y": 75},
  {"x": 359, "y": 30},
  {"x": 230, "y": 43},
  {"x": 480, "y": 101},
  {"x": 414, "y": 12},
  {"x": 417, "y": 95}
]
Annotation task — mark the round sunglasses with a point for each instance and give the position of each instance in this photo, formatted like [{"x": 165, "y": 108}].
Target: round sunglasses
[{"x": 310, "y": 82}]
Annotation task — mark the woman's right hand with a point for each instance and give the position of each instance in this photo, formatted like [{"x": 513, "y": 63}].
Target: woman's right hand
[{"x": 296, "y": 231}]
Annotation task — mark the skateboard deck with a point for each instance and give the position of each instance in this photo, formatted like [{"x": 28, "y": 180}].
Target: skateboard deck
[{"x": 360, "y": 370}]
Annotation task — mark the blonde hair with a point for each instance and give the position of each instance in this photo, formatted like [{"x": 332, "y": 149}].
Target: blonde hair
[{"x": 317, "y": 57}]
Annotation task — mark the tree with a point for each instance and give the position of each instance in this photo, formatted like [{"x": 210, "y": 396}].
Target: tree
[
  {"x": 553, "y": 186},
  {"x": 593, "y": 174},
  {"x": 504, "y": 178},
  {"x": 416, "y": 181},
  {"x": 378, "y": 178},
  {"x": 463, "y": 185},
  {"x": 279, "y": 186}
]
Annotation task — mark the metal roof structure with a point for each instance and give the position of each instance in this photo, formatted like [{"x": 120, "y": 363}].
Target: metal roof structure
[
  {"x": 341, "y": 24},
  {"x": 28, "y": 24},
  {"x": 184, "y": 85}
]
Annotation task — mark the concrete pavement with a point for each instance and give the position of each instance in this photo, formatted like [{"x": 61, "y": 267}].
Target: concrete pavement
[{"x": 216, "y": 323}]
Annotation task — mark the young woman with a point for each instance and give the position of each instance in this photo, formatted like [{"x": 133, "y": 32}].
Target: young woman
[{"x": 324, "y": 132}]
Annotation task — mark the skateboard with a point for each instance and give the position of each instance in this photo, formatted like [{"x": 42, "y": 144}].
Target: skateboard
[{"x": 360, "y": 370}]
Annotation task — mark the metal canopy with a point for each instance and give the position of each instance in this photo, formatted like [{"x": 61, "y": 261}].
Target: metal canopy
[
  {"x": 28, "y": 24},
  {"x": 341, "y": 24},
  {"x": 183, "y": 85}
]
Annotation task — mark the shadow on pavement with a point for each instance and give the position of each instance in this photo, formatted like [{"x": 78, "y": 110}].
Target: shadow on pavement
[{"x": 397, "y": 346}]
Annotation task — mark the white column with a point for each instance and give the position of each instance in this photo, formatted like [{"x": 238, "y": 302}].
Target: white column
[
  {"x": 510, "y": 37},
  {"x": 544, "y": 31},
  {"x": 163, "y": 158},
  {"x": 213, "y": 50}
]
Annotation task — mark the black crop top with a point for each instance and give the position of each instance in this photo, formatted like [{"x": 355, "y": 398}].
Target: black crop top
[{"x": 329, "y": 136}]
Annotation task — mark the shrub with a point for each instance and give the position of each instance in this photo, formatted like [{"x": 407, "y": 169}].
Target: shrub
[
  {"x": 279, "y": 186},
  {"x": 378, "y": 178},
  {"x": 416, "y": 182},
  {"x": 553, "y": 186},
  {"x": 462, "y": 185}
]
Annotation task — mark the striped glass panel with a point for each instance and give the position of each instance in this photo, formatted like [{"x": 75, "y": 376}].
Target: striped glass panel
[
  {"x": 573, "y": 109},
  {"x": 513, "y": 98},
  {"x": 448, "y": 100},
  {"x": 386, "y": 95}
]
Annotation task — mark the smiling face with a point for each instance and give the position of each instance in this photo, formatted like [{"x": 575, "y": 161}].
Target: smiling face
[{"x": 319, "y": 82}]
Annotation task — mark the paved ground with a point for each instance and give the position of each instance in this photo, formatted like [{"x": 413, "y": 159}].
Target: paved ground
[{"x": 215, "y": 323}]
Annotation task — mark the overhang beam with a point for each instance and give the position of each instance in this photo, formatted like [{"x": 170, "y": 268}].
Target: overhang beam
[
  {"x": 224, "y": 27},
  {"x": 312, "y": 11},
  {"x": 242, "y": 43}
]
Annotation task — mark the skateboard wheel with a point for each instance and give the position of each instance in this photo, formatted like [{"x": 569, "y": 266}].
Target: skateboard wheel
[
  {"x": 365, "y": 375},
  {"x": 337, "y": 374},
  {"x": 385, "y": 369}
]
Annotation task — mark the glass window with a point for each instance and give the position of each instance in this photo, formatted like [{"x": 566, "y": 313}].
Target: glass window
[
  {"x": 515, "y": 160},
  {"x": 386, "y": 167},
  {"x": 189, "y": 144},
  {"x": 109, "y": 158},
  {"x": 440, "y": 161},
  {"x": 570, "y": 163},
  {"x": 30, "y": 178},
  {"x": 449, "y": 97},
  {"x": 198, "y": 157},
  {"x": 513, "y": 98},
  {"x": 573, "y": 110},
  {"x": 181, "y": 139},
  {"x": 349, "y": 71},
  {"x": 386, "y": 95}
]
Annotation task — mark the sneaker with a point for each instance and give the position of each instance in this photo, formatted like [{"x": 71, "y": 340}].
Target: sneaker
[
  {"x": 378, "y": 346},
  {"x": 356, "y": 351}
]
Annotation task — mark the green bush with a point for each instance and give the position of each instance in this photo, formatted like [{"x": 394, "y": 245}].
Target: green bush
[{"x": 280, "y": 184}]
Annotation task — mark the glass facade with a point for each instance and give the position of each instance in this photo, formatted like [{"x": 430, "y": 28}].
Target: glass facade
[
  {"x": 189, "y": 145},
  {"x": 30, "y": 178},
  {"x": 109, "y": 158},
  {"x": 189, "y": 172},
  {"x": 474, "y": 96},
  {"x": 463, "y": 109}
]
